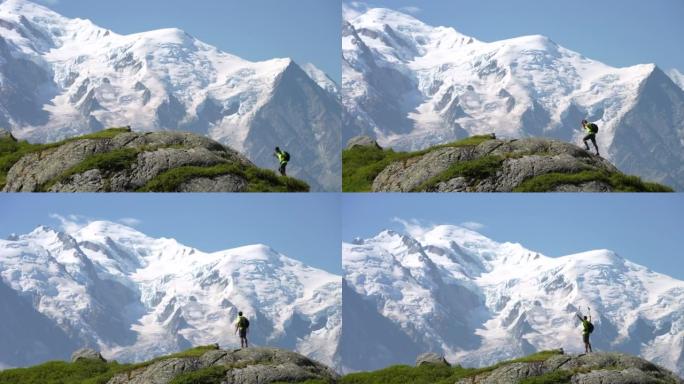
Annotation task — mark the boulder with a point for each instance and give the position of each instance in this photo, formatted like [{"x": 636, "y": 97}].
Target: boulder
[
  {"x": 362, "y": 141},
  {"x": 86, "y": 354},
  {"x": 431, "y": 358}
]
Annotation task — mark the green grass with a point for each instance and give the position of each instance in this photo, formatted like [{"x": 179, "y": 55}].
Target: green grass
[
  {"x": 472, "y": 170},
  {"x": 60, "y": 372},
  {"x": 404, "y": 374},
  {"x": 361, "y": 165},
  {"x": 209, "y": 375},
  {"x": 618, "y": 181},
  {"x": 12, "y": 150},
  {"x": 259, "y": 180}
]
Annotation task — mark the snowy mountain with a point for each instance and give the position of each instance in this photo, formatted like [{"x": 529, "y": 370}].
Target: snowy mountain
[
  {"x": 411, "y": 85},
  {"x": 63, "y": 77},
  {"x": 135, "y": 297},
  {"x": 677, "y": 77},
  {"x": 454, "y": 290}
]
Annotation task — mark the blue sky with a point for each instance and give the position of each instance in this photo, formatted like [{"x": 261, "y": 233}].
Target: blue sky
[
  {"x": 617, "y": 32},
  {"x": 644, "y": 228},
  {"x": 305, "y": 227},
  {"x": 306, "y": 30}
]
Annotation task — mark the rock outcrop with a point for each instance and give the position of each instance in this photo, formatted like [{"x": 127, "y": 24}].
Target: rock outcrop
[
  {"x": 242, "y": 366},
  {"x": 593, "y": 368},
  {"x": 431, "y": 358},
  {"x": 86, "y": 354},
  {"x": 129, "y": 161},
  {"x": 496, "y": 166},
  {"x": 362, "y": 141}
]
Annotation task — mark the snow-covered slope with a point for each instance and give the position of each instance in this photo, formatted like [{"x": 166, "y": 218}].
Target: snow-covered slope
[
  {"x": 479, "y": 301},
  {"x": 677, "y": 77},
  {"x": 62, "y": 77},
  {"x": 135, "y": 297},
  {"x": 411, "y": 85}
]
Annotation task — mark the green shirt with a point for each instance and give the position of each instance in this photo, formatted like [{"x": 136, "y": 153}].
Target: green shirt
[
  {"x": 281, "y": 157},
  {"x": 585, "y": 326}
]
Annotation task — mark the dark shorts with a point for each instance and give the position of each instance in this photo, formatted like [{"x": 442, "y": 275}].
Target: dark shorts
[
  {"x": 585, "y": 338},
  {"x": 590, "y": 136},
  {"x": 243, "y": 333}
]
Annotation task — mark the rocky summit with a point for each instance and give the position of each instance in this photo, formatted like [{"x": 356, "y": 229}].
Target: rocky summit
[
  {"x": 119, "y": 160},
  {"x": 593, "y": 368},
  {"x": 487, "y": 164}
]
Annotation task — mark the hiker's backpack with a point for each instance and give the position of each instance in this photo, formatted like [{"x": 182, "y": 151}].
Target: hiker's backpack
[
  {"x": 593, "y": 128},
  {"x": 286, "y": 156},
  {"x": 243, "y": 323},
  {"x": 590, "y": 327}
]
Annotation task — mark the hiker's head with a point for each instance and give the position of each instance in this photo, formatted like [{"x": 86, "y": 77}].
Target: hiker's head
[
  {"x": 277, "y": 149},
  {"x": 584, "y": 122},
  {"x": 584, "y": 317},
  {"x": 240, "y": 314}
]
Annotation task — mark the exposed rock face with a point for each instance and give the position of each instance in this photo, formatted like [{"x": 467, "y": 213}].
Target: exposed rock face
[
  {"x": 362, "y": 141},
  {"x": 86, "y": 354},
  {"x": 519, "y": 160},
  {"x": 146, "y": 155},
  {"x": 243, "y": 366},
  {"x": 431, "y": 358},
  {"x": 594, "y": 368}
]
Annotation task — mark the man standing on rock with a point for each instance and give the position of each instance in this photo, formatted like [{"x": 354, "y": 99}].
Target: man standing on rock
[
  {"x": 242, "y": 325},
  {"x": 591, "y": 129},
  {"x": 587, "y": 329},
  {"x": 283, "y": 158}
]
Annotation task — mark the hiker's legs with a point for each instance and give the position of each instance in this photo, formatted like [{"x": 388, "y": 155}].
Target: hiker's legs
[
  {"x": 282, "y": 168},
  {"x": 593, "y": 141},
  {"x": 584, "y": 140}
]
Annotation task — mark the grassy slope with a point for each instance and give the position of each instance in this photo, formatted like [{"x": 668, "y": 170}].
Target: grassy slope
[
  {"x": 259, "y": 180},
  {"x": 360, "y": 166}
]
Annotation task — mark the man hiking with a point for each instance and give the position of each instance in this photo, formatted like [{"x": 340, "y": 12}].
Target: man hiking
[
  {"x": 283, "y": 158},
  {"x": 587, "y": 329},
  {"x": 242, "y": 325},
  {"x": 591, "y": 129}
]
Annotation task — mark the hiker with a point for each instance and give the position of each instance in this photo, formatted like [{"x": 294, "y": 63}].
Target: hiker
[
  {"x": 591, "y": 129},
  {"x": 587, "y": 329},
  {"x": 283, "y": 158},
  {"x": 242, "y": 325}
]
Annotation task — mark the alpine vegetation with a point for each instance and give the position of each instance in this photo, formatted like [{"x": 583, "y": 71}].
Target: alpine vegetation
[
  {"x": 410, "y": 86},
  {"x": 65, "y": 77},
  {"x": 453, "y": 291},
  {"x": 133, "y": 297}
]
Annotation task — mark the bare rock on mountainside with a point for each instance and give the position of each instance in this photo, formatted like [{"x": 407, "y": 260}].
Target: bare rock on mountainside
[
  {"x": 242, "y": 366},
  {"x": 362, "y": 141},
  {"x": 593, "y": 368},
  {"x": 431, "y": 358},
  {"x": 501, "y": 166},
  {"x": 86, "y": 354},
  {"x": 119, "y": 160}
]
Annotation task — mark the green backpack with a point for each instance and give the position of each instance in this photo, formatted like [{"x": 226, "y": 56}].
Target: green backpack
[
  {"x": 243, "y": 323},
  {"x": 593, "y": 128},
  {"x": 590, "y": 327},
  {"x": 286, "y": 156}
]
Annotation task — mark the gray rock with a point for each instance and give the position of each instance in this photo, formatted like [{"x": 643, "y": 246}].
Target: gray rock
[
  {"x": 86, "y": 354},
  {"x": 243, "y": 366},
  {"x": 158, "y": 152},
  {"x": 362, "y": 141},
  {"x": 431, "y": 358},
  {"x": 5, "y": 134},
  {"x": 594, "y": 368},
  {"x": 521, "y": 159}
]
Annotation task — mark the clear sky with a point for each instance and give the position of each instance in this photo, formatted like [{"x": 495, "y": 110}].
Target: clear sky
[
  {"x": 616, "y": 32},
  {"x": 305, "y": 227},
  {"x": 306, "y": 30},
  {"x": 643, "y": 228}
]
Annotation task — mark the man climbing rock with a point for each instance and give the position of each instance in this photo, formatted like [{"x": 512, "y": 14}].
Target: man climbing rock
[
  {"x": 242, "y": 325},
  {"x": 587, "y": 329},
  {"x": 591, "y": 129},
  {"x": 283, "y": 158}
]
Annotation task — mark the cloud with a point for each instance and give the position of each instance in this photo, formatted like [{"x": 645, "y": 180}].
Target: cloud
[
  {"x": 473, "y": 225},
  {"x": 71, "y": 223},
  {"x": 410, "y": 9},
  {"x": 49, "y": 2},
  {"x": 414, "y": 227},
  {"x": 352, "y": 9},
  {"x": 130, "y": 221}
]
